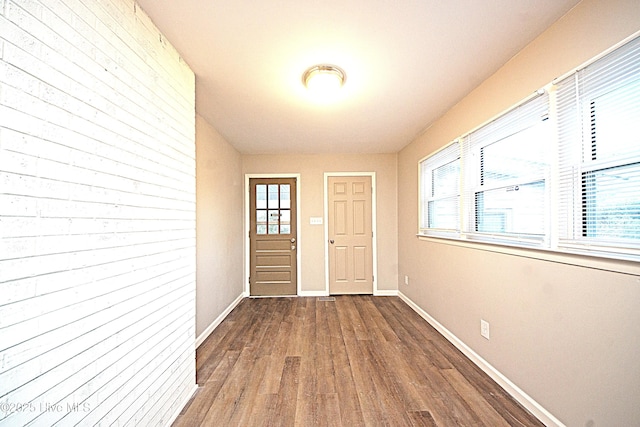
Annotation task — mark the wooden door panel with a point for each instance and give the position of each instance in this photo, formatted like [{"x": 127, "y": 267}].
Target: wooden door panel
[
  {"x": 360, "y": 263},
  {"x": 270, "y": 261},
  {"x": 359, "y": 221},
  {"x": 264, "y": 277},
  {"x": 283, "y": 244},
  {"x": 341, "y": 263},
  {"x": 340, "y": 218},
  {"x": 358, "y": 188},
  {"x": 340, "y": 188}
]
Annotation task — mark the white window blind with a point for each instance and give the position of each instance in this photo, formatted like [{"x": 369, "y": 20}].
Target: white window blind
[
  {"x": 599, "y": 148},
  {"x": 506, "y": 176},
  {"x": 440, "y": 192}
]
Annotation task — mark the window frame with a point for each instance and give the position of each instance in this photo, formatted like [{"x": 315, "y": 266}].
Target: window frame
[
  {"x": 578, "y": 150},
  {"x": 531, "y": 113},
  {"x": 565, "y": 210},
  {"x": 426, "y": 167}
]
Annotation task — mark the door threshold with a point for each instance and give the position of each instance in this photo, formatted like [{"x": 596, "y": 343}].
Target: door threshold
[{"x": 273, "y": 296}]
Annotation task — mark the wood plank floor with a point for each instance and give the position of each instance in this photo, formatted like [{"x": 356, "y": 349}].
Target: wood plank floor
[{"x": 355, "y": 361}]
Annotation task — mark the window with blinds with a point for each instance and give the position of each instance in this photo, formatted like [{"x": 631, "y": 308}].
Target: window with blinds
[
  {"x": 506, "y": 176},
  {"x": 599, "y": 153},
  {"x": 497, "y": 184},
  {"x": 440, "y": 192}
]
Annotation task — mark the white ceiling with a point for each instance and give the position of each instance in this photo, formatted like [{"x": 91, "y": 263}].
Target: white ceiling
[{"x": 407, "y": 62}]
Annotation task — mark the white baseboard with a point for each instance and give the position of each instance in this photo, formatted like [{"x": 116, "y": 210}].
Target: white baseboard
[
  {"x": 313, "y": 294},
  {"x": 174, "y": 417},
  {"x": 523, "y": 398},
  {"x": 203, "y": 336},
  {"x": 377, "y": 293},
  {"x": 385, "y": 293}
]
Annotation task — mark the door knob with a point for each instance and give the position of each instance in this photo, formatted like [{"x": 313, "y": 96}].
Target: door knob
[
  {"x": 293, "y": 247},
  {"x": 293, "y": 240},
  {"x": 331, "y": 241}
]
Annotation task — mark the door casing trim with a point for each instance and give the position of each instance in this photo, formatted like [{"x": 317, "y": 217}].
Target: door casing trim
[
  {"x": 374, "y": 240},
  {"x": 247, "y": 227}
]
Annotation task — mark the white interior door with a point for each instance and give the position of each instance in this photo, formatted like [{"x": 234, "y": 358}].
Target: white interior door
[{"x": 350, "y": 234}]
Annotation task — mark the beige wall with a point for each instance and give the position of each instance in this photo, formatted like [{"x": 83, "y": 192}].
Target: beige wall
[
  {"x": 566, "y": 335},
  {"x": 311, "y": 238},
  {"x": 219, "y": 225}
]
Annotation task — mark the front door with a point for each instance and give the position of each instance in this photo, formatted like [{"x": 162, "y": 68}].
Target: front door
[
  {"x": 350, "y": 235},
  {"x": 272, "y": 235}
]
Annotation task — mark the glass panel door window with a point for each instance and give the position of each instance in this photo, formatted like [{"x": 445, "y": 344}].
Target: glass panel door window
[{"x": 273, "y": 209}]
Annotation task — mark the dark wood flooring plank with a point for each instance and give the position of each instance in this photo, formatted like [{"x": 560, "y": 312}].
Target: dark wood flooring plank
[
  {"x": 286, "y": 404},
  {"x": 269, "y": 324},
  {"x": 422, "y": 419},
  {"x": 307, "y": 400},
  {"x": 252, "y": 325},
  {"x": 392, "y": 400},
  {"x": 325, "y": 374},
  {"x": 361, "y": 370},
  {"x": 207, "y": 392},
  {"x": 232, "y": 339},
  {"x": 417, "y": 331},
  {"x": 236, "y": 398},
  {"x": 481, "y": 408},
  {"x": 351, "y": 413},
  {"x": 212, "y": 342},
  {"x": 275, "y": 410},
  {"x": 263, "y": 406},
  {"x": 372, "y": 316},
  {"x": 271, "y": 380},
  {"x": 420, "y": 368},
  {"x": 298, "y": 318},
  {"x": 328, "y": 414},
  {"x": 353, "y": 323},
  {"x": 406, "y": 381},
  {"x": 212, "y": 355}
]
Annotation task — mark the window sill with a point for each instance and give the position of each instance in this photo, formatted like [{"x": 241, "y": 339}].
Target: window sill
[{"x": 597, "y": 261}]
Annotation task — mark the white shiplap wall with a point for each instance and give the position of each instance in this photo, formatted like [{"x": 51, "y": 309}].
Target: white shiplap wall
[{"x": 97, "y": 216}]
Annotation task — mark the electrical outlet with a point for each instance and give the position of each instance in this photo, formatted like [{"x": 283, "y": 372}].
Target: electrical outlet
[
  {"x": 406, "y": 280},
  {"x": 484, "y": 328}
]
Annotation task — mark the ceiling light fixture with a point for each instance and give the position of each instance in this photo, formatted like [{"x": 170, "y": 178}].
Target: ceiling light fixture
[{"x": 324, "y": 78}]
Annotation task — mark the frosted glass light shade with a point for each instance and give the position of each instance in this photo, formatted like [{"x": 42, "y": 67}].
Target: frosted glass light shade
[{"x": 323, "y": 78}]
